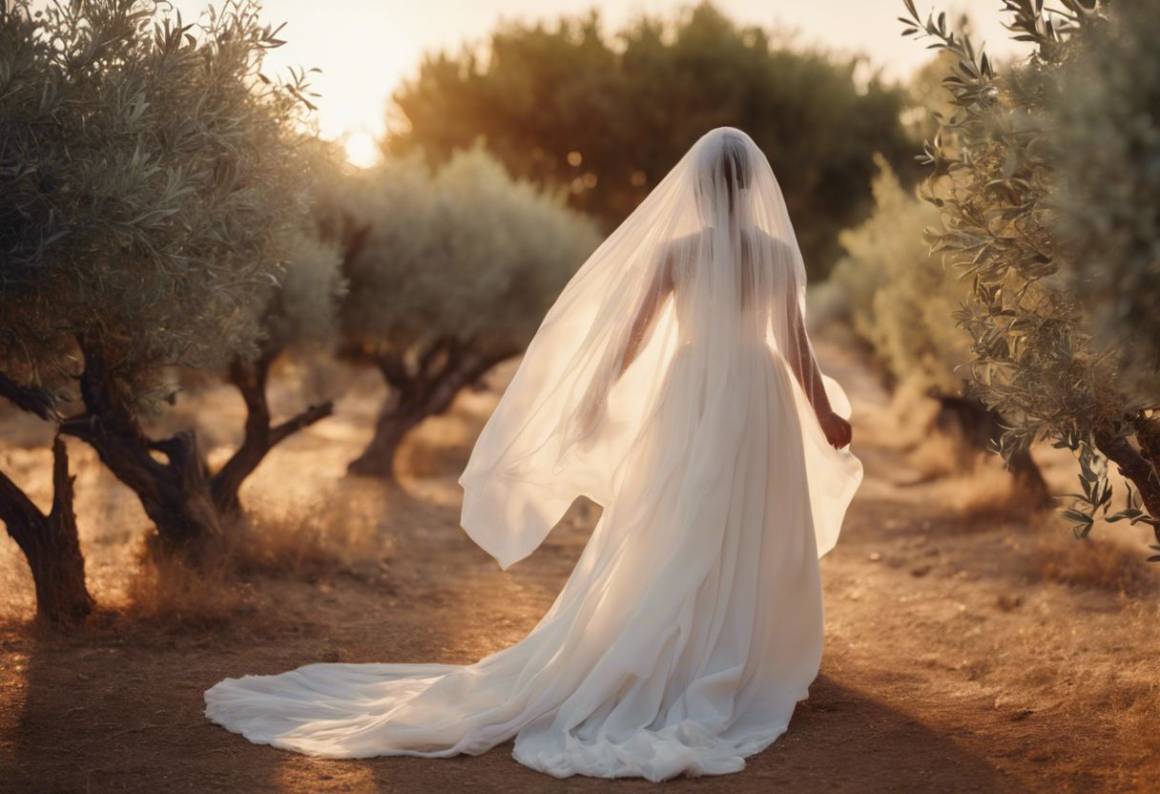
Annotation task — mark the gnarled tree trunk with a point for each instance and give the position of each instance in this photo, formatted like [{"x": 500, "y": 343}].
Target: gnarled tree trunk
[
  {"x": 175, "y": 492},
  {"x": 444, "y": 369},
  {"x": 50, "y": 543},
  {"x": 1141, "y": 466},
  {"x": 261, "y": 436}
]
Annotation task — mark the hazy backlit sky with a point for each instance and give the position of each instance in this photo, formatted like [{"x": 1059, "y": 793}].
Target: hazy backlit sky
[{"x": 365, "y": 47}]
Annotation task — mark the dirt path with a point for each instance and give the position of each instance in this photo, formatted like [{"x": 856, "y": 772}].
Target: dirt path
[{"x": 955, "y": 660}]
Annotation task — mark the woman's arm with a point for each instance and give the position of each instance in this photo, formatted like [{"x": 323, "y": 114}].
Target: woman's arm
[
  {"x": 659, "y": 289},
  {"x": 646, "y": 316},
  {"x": 800, "y": 358}
]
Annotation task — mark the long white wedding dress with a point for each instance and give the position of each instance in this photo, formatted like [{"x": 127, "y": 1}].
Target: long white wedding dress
[{"x": 672, "y": 383}]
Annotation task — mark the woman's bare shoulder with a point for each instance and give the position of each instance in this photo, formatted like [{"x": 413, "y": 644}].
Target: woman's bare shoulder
[
  {"x": 769, "y": 242},
  {"x": 686, "y": 246},
  {"x": 679, "y": 253},
  {"x": 686, "y": 242}
]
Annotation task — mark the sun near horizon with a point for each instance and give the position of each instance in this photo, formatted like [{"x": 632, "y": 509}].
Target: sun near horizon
[{"x": 362, "y": 148}]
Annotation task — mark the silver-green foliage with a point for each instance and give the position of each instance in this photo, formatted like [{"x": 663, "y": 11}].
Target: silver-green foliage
[
  {"x": 998, "y": 178},
  {"x": 1108, "y": 122},
  {"x": 900, "y": 297},
  {"x": 300, "y": 312},
  {"x": 465, "y": 253},
  {"x": 148, "y": 176},
  {"x": 303, "y": 311}
]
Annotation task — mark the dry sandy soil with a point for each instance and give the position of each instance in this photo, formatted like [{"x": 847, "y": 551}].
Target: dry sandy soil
[{"x": 968, "y": 648}]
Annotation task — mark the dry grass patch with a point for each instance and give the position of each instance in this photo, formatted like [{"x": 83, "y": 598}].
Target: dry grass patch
[
  {"x": 307, "y": 545},
  {"x": 221, "y": 585},
  {"x": 1100, "y": 564},
  {"x": 167, "y": 590}
]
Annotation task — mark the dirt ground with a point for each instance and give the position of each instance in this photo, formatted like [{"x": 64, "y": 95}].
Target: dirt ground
[{"x": 968, "y": 648}]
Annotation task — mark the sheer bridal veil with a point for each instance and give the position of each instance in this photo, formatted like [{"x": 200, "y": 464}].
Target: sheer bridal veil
[{"x": 706, "y": 270}]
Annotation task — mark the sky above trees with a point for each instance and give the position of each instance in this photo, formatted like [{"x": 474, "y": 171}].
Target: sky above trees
[{"x": 365, "y": 47}]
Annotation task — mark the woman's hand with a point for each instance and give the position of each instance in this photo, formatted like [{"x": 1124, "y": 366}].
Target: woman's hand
[{"x": 838, "y": 431}]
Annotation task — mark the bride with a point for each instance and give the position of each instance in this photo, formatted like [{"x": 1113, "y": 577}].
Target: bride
[{"x": 673, "y": 383}]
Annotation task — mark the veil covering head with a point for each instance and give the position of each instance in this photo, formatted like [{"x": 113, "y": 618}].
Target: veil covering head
[{"x": 704, "y": 277}]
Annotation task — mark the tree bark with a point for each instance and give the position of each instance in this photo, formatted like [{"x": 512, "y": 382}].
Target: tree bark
[
  {"x": 1144, "y": 472},
  {"x": 1029, "y": 480},
  {"x": 50, "y": 544},
  {"x": 29, "y": 398},
  {"x": 379, "y": 457},
  {"x": 261, "y": 435},
  {"x": 175, "y": 494},
  {"x": 443, "y": 370},
  {"x": 981, "y": 427}
]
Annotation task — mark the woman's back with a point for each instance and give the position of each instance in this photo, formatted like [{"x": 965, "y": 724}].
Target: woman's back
[{"x": 730, "y": 283}]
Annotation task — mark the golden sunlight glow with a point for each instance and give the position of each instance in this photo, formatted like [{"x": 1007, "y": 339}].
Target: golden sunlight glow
[
  {"x": 366, "y": 48},
  {"x": 361, "y": 149}
]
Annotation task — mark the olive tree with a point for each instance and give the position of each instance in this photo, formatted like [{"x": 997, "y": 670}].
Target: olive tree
[
  {"x": 449, "y": 274},
  {"x": 901, "y": 301},
  {"x": 299, "y": 315},
  {"x": 148, "y": 175},
  {"x": 1010, "y": 176}
]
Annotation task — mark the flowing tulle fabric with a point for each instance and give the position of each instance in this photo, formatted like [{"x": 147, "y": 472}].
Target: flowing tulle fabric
[{"x": 692, "y": 623}]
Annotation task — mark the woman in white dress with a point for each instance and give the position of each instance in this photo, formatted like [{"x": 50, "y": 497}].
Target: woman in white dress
[{"x": 673, "y": 383}]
